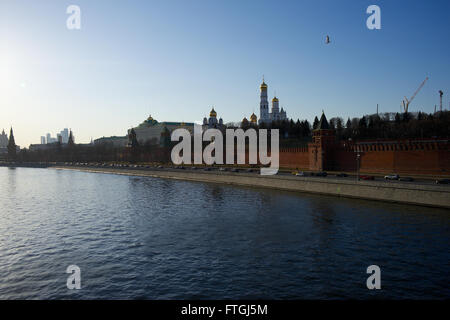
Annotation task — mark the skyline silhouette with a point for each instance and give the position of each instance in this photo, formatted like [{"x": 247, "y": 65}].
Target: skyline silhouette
[{"x": 175, "y": 60}]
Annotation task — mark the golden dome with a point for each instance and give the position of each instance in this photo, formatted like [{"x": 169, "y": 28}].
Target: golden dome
[
  {"x": 263, "y": 86},
  {"x": 275, "y": 99},
  {"x": 213, "y": 113},
  {"x": 253, "y": 118}
]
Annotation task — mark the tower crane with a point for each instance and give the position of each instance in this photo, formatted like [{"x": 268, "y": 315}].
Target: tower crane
[{"x": 406, "y": 102}]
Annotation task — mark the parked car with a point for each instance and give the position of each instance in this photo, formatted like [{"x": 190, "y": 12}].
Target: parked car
[
  {"x": 300, "y": 174},
  {"x": 407, "y": 179},
  {"x": 365, "y": 177},
  {"x": 207, "y": 169},
  {"x": 320, "y": 174},
  {"x": 392, "y": 177},
  {"x": 249, "y": 170},
  {"x": 223, "y": 169},
  {"x": 443, "y": 181},
  {"x": 342, "y": 175},
  {"x": 235, "y": 170}
]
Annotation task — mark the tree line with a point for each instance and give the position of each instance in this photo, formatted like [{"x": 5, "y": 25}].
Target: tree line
[{"x": 393, "y": 126}]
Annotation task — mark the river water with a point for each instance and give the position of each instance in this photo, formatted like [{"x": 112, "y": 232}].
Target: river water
[{"x": 149, "y": 238}]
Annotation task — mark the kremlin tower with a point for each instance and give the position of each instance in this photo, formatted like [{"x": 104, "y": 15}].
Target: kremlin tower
[{"x": 264, "y": 115}]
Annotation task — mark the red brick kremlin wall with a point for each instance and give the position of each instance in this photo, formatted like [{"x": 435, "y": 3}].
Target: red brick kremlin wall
[
  {"x": 411, "y": 157},
  {"x": 294, "y": 158},
  {"x": 402, "y": 157}
]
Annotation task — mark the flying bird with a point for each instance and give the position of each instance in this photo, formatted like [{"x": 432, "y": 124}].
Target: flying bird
[{"x": 327, "y": 41}]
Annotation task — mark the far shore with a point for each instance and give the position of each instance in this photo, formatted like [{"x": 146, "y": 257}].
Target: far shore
[{"x": 407, "y": 193}]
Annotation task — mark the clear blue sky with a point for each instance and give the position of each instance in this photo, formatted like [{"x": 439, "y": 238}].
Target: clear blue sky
[{"x": 174, "y": 59}]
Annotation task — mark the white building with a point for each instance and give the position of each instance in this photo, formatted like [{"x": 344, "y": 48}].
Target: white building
[
  {"x": 212, "y": 122},
  {"x": 264, "y": 114},
  {"x": 152, "y": 132}
]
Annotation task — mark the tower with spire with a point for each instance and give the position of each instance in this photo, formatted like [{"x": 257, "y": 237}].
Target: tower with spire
[
  {"x": 12, "y": 148},
  {"x": 264, "y": 115},
  {"x": 322, "y": 147},
  {"x": 264, "y": 104}
]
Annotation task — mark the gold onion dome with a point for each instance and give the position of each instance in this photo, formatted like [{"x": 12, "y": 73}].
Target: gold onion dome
[
  {"x": 275, "y": 99},
  {"x": 213, "y": 113},
  {"x": 253, "y": 117},
  {"x": 263, "y": 85}
]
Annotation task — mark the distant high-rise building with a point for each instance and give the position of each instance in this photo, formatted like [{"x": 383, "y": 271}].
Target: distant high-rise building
[
  {"x": 62, "y": 137},
  {"x": 3, "y": 139},
  {"x": 65, "y": 135}
]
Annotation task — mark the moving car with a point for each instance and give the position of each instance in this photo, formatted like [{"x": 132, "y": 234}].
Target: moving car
[
  {"x": 443, "y": 181},
  {"x": 300, "y": 174},
  {"x": 365, "y": 177},
  {"x": 408, "y": 179},
  {"x": 392, "y": 177}
]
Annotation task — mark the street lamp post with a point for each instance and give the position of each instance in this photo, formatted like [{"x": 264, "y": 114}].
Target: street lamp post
[{"x": 358, "y": 157}]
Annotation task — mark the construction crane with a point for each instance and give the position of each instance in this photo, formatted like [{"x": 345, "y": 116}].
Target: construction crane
[
  {"x": 406, "y": 102},
  {"x": 441, "y": 93}
]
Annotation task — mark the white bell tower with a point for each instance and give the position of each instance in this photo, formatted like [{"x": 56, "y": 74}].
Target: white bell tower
[{"x": 264, "y": 104}]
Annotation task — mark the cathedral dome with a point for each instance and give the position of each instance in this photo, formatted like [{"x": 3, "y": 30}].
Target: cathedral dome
[
  {"x": 275, "y": 99},
  {"x": 253, "y": 118},
  {"x": 213, "y": 113},
  {"x": 149, "y": 122}
]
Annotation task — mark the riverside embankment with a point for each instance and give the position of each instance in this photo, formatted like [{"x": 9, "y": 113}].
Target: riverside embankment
[{"x": 407, "y": 193}]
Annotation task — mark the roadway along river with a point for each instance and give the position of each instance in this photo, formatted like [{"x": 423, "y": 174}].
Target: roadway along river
[{"x": 149, "y": 238}]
